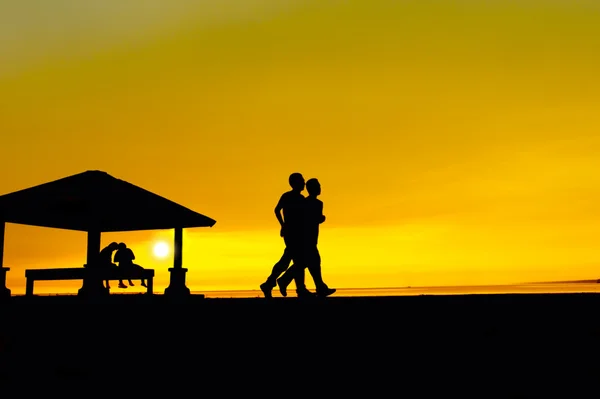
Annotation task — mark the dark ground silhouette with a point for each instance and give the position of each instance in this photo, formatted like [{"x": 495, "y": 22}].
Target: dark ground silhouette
[
  {"x": 486, "y": 345},
  {"x": 471, "y": 345}
]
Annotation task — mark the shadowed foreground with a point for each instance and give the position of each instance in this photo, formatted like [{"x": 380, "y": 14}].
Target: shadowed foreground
[{"x": 452, "y": 343}]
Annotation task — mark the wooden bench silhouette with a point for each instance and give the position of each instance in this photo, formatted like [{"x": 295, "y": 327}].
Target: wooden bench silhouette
[{"x": 79, "y": 273}]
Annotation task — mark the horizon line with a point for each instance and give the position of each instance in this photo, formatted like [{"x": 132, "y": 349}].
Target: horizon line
[{"x": 590, "y": 281}]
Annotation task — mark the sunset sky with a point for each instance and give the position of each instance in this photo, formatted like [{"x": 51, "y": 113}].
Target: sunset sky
[{"x": 456, "y": 141}]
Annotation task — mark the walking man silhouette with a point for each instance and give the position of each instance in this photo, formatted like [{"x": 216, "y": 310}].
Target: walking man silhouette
[
  {"x": 291, "y": 204},
  {"x": 313, "y": 217}
]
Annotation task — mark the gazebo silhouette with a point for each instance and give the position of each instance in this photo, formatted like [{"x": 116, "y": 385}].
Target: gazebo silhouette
[{"x": 96, "y": 202}]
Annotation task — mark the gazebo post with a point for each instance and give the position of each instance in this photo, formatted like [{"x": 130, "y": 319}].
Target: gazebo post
[
  {"x": 177, "y": 281},
  {"x": 92, "y": 285},
  {"x": 4, "y": 292}
]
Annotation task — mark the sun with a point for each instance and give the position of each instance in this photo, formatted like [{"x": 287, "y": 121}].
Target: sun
[{"x": 161, "y": 249}]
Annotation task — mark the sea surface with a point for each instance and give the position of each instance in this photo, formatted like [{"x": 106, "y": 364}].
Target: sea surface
[
  {"x": 588, "y": 286},
  {"x": 530, "y": 288}
]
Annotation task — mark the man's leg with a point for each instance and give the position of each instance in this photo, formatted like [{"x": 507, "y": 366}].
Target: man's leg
[
  {"x": 139, "y": 268},
  {"x": 314, "y": 267},
  {"x": 279, "y": 268},
  {"x": 296, "y": 271},
  {"x": 127, "y": 269}
]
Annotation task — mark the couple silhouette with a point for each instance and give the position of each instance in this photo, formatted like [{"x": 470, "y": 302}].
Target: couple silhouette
[
  {"x": 124, "y": 257},
  {"x": 300, "y": 231}
]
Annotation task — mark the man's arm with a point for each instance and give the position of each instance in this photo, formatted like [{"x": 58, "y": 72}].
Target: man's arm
[
  {"x": 278, "y": 209},
  {"x": 321, "y": 216}
]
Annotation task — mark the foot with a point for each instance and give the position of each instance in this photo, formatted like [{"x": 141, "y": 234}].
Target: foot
[
  {"x": 144, "y": 285},
  {"x": 282, "y": 288},
  {"x": 304, "y": 294},
  {"x": 266, "y": 289},
  {"x": 326, "y": 292},
  {"x": 131, "y": 284},
  {"x": 121, "y": 285}
]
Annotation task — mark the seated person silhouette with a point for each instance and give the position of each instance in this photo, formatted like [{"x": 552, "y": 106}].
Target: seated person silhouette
[
  {"x": 105, "y": 259},
  {"x": 125, "y": 257}
]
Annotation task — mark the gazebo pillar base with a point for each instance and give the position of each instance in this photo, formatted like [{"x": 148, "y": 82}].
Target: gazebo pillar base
[
  {"x": 177, "y": 286},
  {"x": 4, "y": 292}
]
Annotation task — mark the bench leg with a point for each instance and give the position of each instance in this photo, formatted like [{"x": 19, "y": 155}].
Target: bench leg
[
  {"x": 29, "y": 287},
  {"x": 150, "y": 284},
  {"x": 4, "y": 292}
]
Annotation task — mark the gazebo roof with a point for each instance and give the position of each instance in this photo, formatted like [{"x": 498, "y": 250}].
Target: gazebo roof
[{"x": 96, "y": 201}]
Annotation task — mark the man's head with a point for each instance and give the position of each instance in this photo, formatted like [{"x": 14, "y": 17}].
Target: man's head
[
  {"x": 313, "y": 187},
  {"x": 113, "y": 246},
  {"x": 296, "y": 181}
]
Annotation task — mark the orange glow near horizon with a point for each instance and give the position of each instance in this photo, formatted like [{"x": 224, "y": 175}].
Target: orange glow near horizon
[{"x": 456, "y": 142}]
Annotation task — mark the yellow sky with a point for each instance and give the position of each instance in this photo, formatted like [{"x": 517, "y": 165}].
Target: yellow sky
[{"x": 456, "y": 141}]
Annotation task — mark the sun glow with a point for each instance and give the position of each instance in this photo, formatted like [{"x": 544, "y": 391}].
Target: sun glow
[{"x": 161, "y": 249}]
